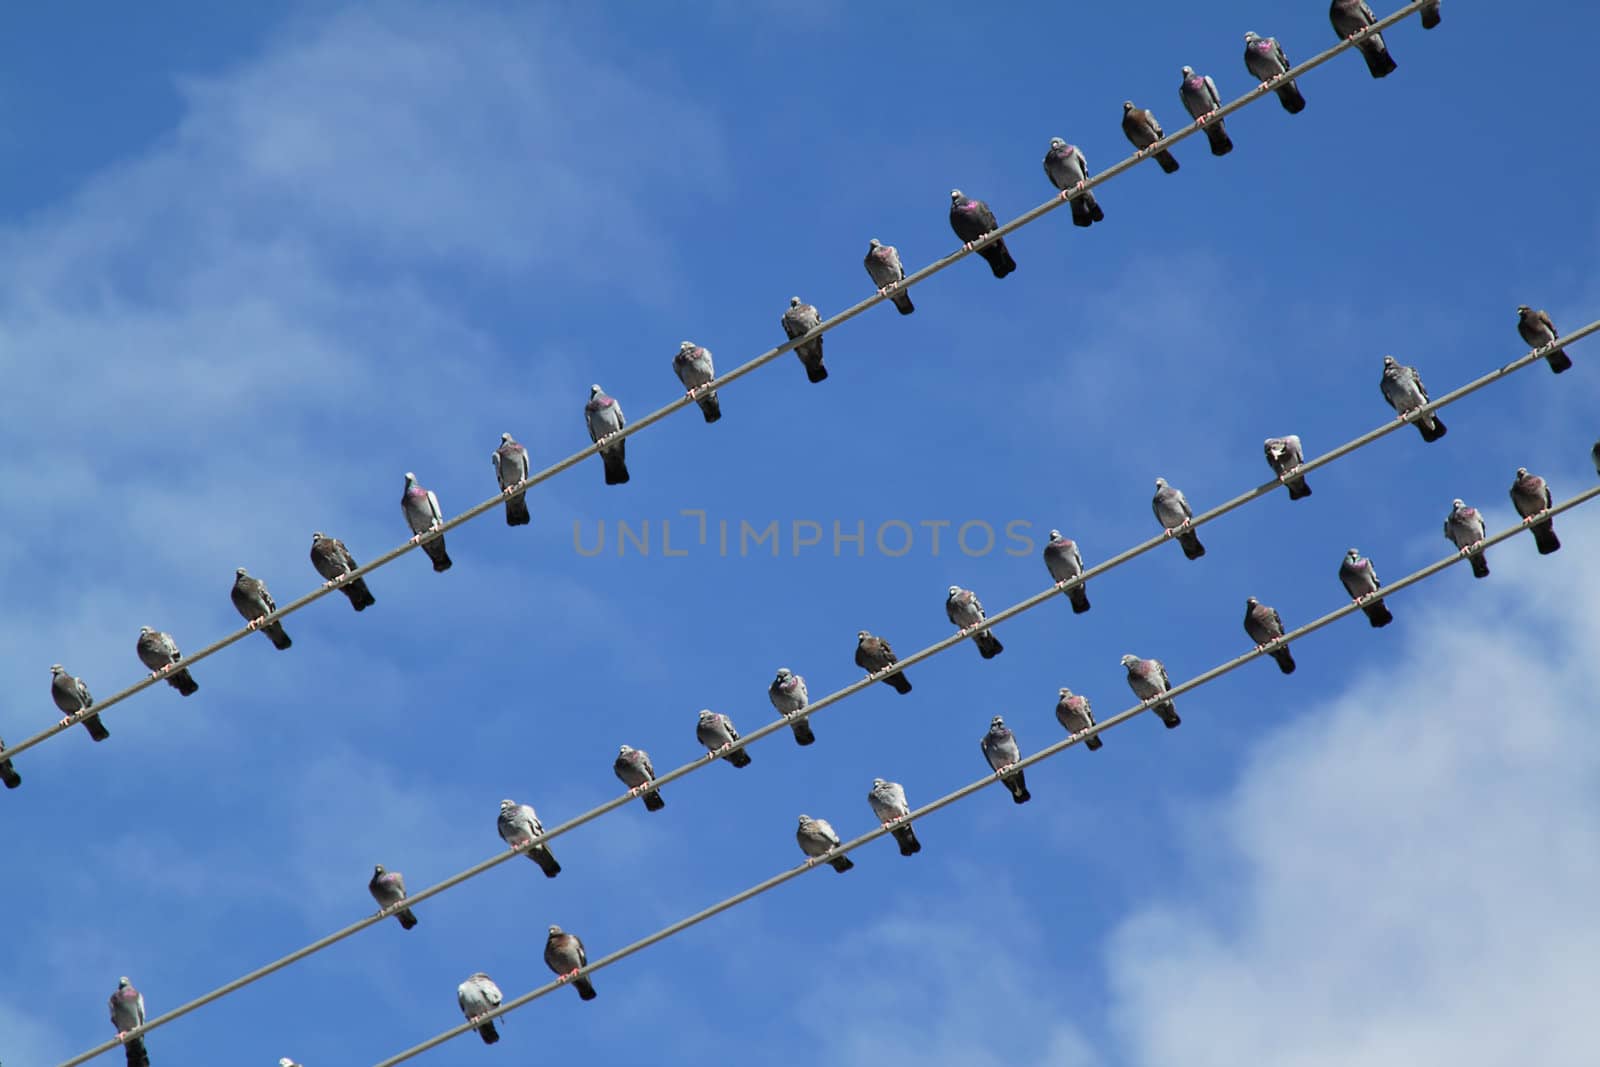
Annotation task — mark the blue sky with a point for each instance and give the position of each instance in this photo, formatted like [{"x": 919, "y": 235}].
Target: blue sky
[{"x": 254, "y": 266}]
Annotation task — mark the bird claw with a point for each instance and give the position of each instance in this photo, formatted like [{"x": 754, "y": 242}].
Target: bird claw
[
  {"x": 416, "y": 539},
  {"x": 570, "y": 975},
  {"x": 885, "y": 290},
  {"x": 253, "y": 624},
  {"x": 636, "y": 790},
  {"x": 811, "y": 861},
  {"x": 1063, "y": 583},
  {"x": 1289, "y": 474},
  {"x": 164, "y": 671},
  {"x": 510, "y": 490},
  {"x": 66, "y": 720},
  {"x": 1166, "y": 531},
  {"x": 1000, "y": 771}
]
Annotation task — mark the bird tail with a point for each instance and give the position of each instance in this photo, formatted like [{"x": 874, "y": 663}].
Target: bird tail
[
  {"x": 8, "y": 775},
  {"x": 547, "y": 862},
  {"x": 278, "y": 636},
  {"x": 1377, "y": 614},
  {"x": 360, "y": 596},
  {"x": 1095, "y": 211},
  {"x": 1093, "y": 744},
  {"x": 1285, "y": 661},
  {"x": 1559, "y": 360},
  {"x": 137, "y": 1056},
  {"x": 1192, "y": 548},
  {"x": 616, "y": 466},
  {"x": 1430, "y": 17},
  {"x": 1298, "y": 489},
  {"x": 907, "y": 840},
  {"x": 802, "y": 731},
  {"x": 1081, "y": 215},
  {"x": 487, "y": 1031},
  {"x": 1544, "y": 535},
  {"x": 999, "y": 258},
  {"x": 841, "y": 863},
  {"x": 1480, "y": 566},
  {"x": 183, "y": 682},
  {"x": 902, "y": 302},
  {"x": 653, "y": 801},
  {"x": 739, "y": 758},
  {"x": 1080, "y": 599},
  {"x": 710, "y": 407},
  {"x": 1018, "y": 787},
  {"x": 989, "y": 645},
  {"x": 1221, "y": 143},
  {"x": 1379, "y": 62},
  {"x": 517, "y": 510},
  {"x": 96, "y": 728},
  {"x": 812, "y": 359},
  {"x": 1169, "y": 715},
  {"x": 584, "y": 987},
  {"x": 436, "y": 552},
  {"x": 898, "y": 682},
  {"x": 1434, "y": 431},
  {"x": 1168, "y": 162},
  {"x": 1291, "y": 99},
  {"x": 407, "y": 920}
]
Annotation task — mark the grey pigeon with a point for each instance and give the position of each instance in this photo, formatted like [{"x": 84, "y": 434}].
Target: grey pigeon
[
  {"x": 518, "y": 824},
  {"x": 1536, "y": 329},
  {"x": 873, "y": 654},
  {"x": 1173, "y": 512},
  {"x": 718, "y": 733},
  {"x": 563, "y": 954},
  {"x": 1430, "y": 15},
  {"x": 159, "y": 652},
  {"x": 634, "y": 768},
  {"x": 883, "y": 267},
  {"x": 962, "y": 608},
  {"x": 604, "y": 417},
  {"x": 253, "y": 602},
  {"x": 1263, "y": 624},
  {"x": 1000, "y": 749},
  {"x": 1264, "y": 59},
  {"x": 1350, "y": 17},
  {"x": 817, "y": 839},
  {"x": 971, "y": 219},
  {"x": 421, "y": 509},
  {"x": 1065, "y": 562},
  {"x": 478, "y": 996},
  {"x": 8, "y": 773},
  {"x": 1148, "y": 680},
  {"x": 1075, "y": 716},
  {"x": 1199, "y": 95},
  {"x": 127, "y": 1012},
  {"x": 799, "y": 320},
  {"x": 510, "y": 461},
  {"x": 694, "y": 369},
  {"x": 1403, "y": 389},
  {"x": 388, "y": 888},
  {"x": 1531, "y": 497},
  {"x": 1361, "y": 580},
  {"x": 1284, "y": 457},
  {"x": 333, "y": 561},
  {"x": 1067, "y": 169},
  {"x": 72, "y": 696},
  {"x": 1142, "y": 130},
  {"x": 888, "y": 800},
  {"x": 788, "y": 694},
  {"x": 1463, "y": 527}
]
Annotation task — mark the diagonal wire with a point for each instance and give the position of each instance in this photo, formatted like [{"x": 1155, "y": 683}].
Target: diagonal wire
[
  {"x": 967, "y": 790},
  {"x": 759, "y": 361}
]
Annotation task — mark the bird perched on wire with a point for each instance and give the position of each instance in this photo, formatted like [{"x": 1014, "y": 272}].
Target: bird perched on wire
[
  {"x": 817, "y": 838},
  {"x": 634, "y": 768},
  {"x": 71, "y": 696},
  {"x": 1068, "y": 170},
  {"x": 159, "y": 652},
  {"x": 333, "y": 561},
  {"x": 605, "y": 420},
  {"x": 388, "y": 888},
  {"x": 510, "y": 462},
  {"x": 1536, "y": 329},
  {"x": 1199, "y": 95},
  {"x": 788, "y": 695},
  {"x": 1361, "y": 580},
  {"x": 1403, "y": 389},
  {"x": 1463, "y": 527},
  {"x": 1075, "y": 716},
  {"x": 1350, "y": 17},
  {"x": 999, "y": 747},
  {"x": 888, "y": 802},
  {"x": 563, "y": 954},
  {"x": 127, "y": 1012},
  {"x": 694, "y": 369},
  {"x": 971, "y": 218},
  {"x": 421, "y": 509},
  {"x": 873, "y": 655},
  {"x": 1142, "y": 130},
  {"x": 718, "y": 734},
  {"x": 962, "y": 607},
  {"x": 518, "y": 824},
  {"x": 1531, "y": 497},
  {"x": 883, "y": 267},
  {"x": 1064, "y": 562},
  {"x": 799, "y": 320},
  {"x": 1284, "y": 457},
  {"x": 1148, "y": 680},
  {"x": 1265, "y": 60},
  {"x": 1263, "y": 625},
  {"x": 478, "y": 996},
  {"x": 1172, "y": 511},
  {"x": 253, "y": 603}
]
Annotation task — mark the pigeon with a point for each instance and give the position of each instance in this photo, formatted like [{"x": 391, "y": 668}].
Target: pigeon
[
  {"x": 1284, "y": 457},
  {"x": 798, "y": 321},
  {"x": 1142, "y": 130},
  {"x": 127, "y": 1012},
  {"x": 1173, "y": 512},
  {"x": 873, "y": 654},
  {"x": 421, "y": 509},
  {"x": 563, "y": 954},
  {"x": 72, "y": 696},
  {"x": 252, "y": 601},
  {"x": 1065, "y": 562},
  {"x": 1072, "y": 712},
  {"x": 1463, "y": 527},
  {"x": 1350, "y": 17},
  {"x": 1264, "y": 59},
  {"x": 478, "y": 996},
  {"x": 717, "y": 733},
  {"x": 1263, "y": 625},
  {"x": 1361, "y": 580},
  {"x": 1531, "y": 497},
  {"x": 788, "y": 694},
  {"x": 1403, "y": 389},
  {"x": 634, "y": 768},
  {"x": 8, "y": 773},
  {"x": 333, "y": 561},
  {"x": 159, "y": 652},
  {"x": 883, "y": 267},
  {"x": 1537, "y": 330},
  {"x": 1066, "y": 168},
  {"x": 888, "y": 800},
  {"x": 961, "y": 606},
  {"x": 1430, "y": 15},
  {"x": 389, "y": 888},
  {"x": 971, "y": 219},
  {"x": 1199, "y": 95},
  {"x": 817, "y": 839},
  {"x": 518, "y": 824},
  {"x": 604, "y": 416},
  {"x": 1000, "y": 749},
  {"x": 694, "y": 369},
  {"x": 1594, "y": 456},
  {"x": 1148, "y": 679},
  {"x": 511, "y": 468}
]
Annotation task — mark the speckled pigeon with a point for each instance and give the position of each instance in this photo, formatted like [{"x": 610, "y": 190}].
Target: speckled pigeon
[
  {"x": 1531, "y": 496},
  {"x": 1265, "y": 59},
  {"x": 1430, "y": 15},
  {"x": 961, "y": 607},
  {"x": 1536, "y": 329},
  {"x": 1463, "y": 527},
  {"x": 159, "y": 652},
  {"x": 1173, "y": 512},
  {"x": 817, "y": 838},
  {"x": 563, "y": 954},
  {"x": 1066, "y": 167},
  {"x": 1360, "y": 579},
  {"x": 1075, "y": 716},
  {"x": 788, "y": 694},
  {"x": 634, "y": 768},
  {"x": 510, "y": 462},
  {"x": 799, "y": 320},
  {"x": 694, "y": 369},
  {"x": 8, "y": 773},
  {"x": 1284, "y": 457},
  {"x": 253, "y": 602},
  {"x": 72, "y": 696},
  {"x": 883, "y": 267},
  {"x": 518, "y": 824},
  {"x": 1263, "y": 624},
  {"x": 604, "y": 417},
  {"x": 1403, "y": 389},
  {"x": 717, "y": 732},
  {"x": 1065, "y": 562},
  {"x": 999, "y": 747},
  {"x": 1350, "y": 17},
  {"x": 421, "y": 509},
  {"x": 888, "y": 800},
  {"x": 971, "y": 219},
  {"x": 1148, "y": 679},
  {"x": 1199, "y": 95},
  {"x": 389, "y": 888},
  {"x": 333, "y": 561},
  {"x": 873, "y": 654},
  {"x": 127, "y": 1012},
  {"x": 478, "y": 996},
  {"x": 1142, "y": 130}
]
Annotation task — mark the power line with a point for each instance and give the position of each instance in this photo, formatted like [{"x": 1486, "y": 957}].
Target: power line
[
  {"x": 759, "y": 361},
  {"x": 967, "y": 790}
]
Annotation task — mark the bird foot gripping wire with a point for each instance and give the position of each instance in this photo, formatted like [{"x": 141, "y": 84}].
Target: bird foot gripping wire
[
  {"x": 1287, "y": 475},
  {"x": 569, "y": 976},
  {"x": 66, "y": 720},
  {"x": 511, "y": 490},
  {"x": 968, "y": 246},
  {"x": 811, "y": 861},
  {"x": 637, "y": 790},
  {"x": 330, "y": 583},
  {"x": 254, "y": 624},
  {"x": 1003, "y": 771}
]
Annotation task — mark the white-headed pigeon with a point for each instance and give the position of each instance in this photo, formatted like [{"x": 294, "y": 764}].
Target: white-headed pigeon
[
  {"x": 333, "y": 561},
  {"x": 1361, "y": 580},
  {"x": 634, "y": 768},
  {"x": 999, "y": 747},
  {"x": 817, "y": 838},
  {"x": 694, "y": 369},
  {"x": 1148, "y": 680},
  {"x": 1536, "y": 329},
  {"x": 1199, "y": 95},
  {"x": 1065, "y": 562},
  {"x": 873, "y": 654},
  {"x": 1403, "y": 389},
  {"x": 478, "y": 996},
  {"x": 888, "y": 800},
  {"x": 788, "y": 694},
  {"x": 1173, "y": 512},
  {"x": 1284, "y": 457},
  {"x": 604, "y": 418},
  {"x": 421, "y": 509},
  {"x": 1463, "y": 527},
  {"x": 1264, "y": 59},
  {"x": 253, "y": 603},
  {"x": 717, "y": 733},
  {"x": 1350, "y": 17},
  {"x": 563, "y": 954},
  {"x": 511, "y": 468},
  {"x": 1142, "y": 130},
  {"x": 159, "y": 652},
  {"x": 962, "y": 608},
  {"x": 127, "y": 1012},
  {"x": 1263, "y": 625},
  {"x": 1067, "y": 169},
  {"x": 388, "y": 888},
  {"x": 883, "y": 267},
  {"x": 1075, "y": 716},
  {"x": 971, "y": 218},
  {"x": 799, "y": 320},
  {"x": 72, "y": 696},
  {"x": 518, "y": 824}
]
